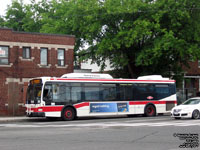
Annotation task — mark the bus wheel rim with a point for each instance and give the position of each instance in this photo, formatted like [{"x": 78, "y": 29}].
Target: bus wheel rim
[
  {"x": 150, "y": 110},
  {"x": 68, "y": 114}
]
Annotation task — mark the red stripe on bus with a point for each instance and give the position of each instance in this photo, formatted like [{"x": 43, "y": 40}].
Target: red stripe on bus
[
  {"x": 47, "y": 109},
  {"x": 81, "y": 105},
  {"x": 154, "y": 102},
  {"x": 111, "y": 80},
  {"x": 59, "y": 108}
]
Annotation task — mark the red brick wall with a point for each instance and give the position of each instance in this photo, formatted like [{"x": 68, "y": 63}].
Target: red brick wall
[
  {"x": 3, "y": 94},
  {"x": 11, "y": 96},
  {"x": 193, "y": 69},
  {"x": 191, "y": 72},
  {"x": 13, "y": 36}
]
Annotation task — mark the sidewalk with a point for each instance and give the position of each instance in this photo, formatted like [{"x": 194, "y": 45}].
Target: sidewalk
[{"x": 17, "y": 118}]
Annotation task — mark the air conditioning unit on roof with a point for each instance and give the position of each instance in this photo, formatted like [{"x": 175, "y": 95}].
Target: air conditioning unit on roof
[
  {"x": 87, "y": 76},
  {"x": 152, "y": 77}
]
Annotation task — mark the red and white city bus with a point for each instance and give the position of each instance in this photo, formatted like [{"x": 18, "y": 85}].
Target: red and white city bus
[{"x": 79, "y": 95}]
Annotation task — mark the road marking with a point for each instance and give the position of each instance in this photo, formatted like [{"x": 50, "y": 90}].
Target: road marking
[
  {"x": 106, "y": 124},
  {"x": 132, "y": 121}
]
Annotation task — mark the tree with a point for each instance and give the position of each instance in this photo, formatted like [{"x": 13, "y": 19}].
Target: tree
[
  {"x": 35, "y": 11},
  {"x": 1, "y": 21},
  {"x": 141, "y": 36},
  {"x": 14, "y": 15},
  {"x": 26, "y": 17}
]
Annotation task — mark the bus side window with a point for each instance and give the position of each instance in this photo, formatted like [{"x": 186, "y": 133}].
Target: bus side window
[
  {"x": 144, "y": 91},
  {"x": 172, "y": 89},
  {"x": 92, "y": 91},
  {"x": 76, "y": 91},
  {"x": 109, "y": 92},
  {"x": 162, "y": 90},
  {"x": 126, "y": 91},
  {"x": 59, "y": 93}
]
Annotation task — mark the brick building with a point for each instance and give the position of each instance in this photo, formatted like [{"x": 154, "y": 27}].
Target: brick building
[
  {"x": 191, "y": 82},
  {"x": 192, "y": 76},
  {"x": 27, "y": 55}
]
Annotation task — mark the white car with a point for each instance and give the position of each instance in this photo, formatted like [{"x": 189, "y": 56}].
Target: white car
[{"x": 189, "y": 109}]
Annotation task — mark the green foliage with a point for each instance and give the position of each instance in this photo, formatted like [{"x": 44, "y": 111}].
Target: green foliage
[
  {"x": 14, "y": 15},
  {"x": 1, "y": 21},
  {"x": 26, "y": 17},
  {"x": 32, "y": 21}
]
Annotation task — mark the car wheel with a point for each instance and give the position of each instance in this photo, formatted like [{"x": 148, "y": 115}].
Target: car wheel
[
  {"x": 68, "y": 114},
  {"x": 195, "y": 114}
]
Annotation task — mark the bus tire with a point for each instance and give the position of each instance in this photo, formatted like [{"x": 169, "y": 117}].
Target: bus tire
[
  {"x": 68, "y": 114},
  {"x": 195, "y": 114},
  {"x": 150, "y": 110}
]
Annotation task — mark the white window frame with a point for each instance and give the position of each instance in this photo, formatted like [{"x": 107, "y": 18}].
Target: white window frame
[
  {"x": 45, "y": 61},
  {"x": 6, "y": 57},
  {"x": 62, "y": 60},
  {"x": 25, "y": 51}
]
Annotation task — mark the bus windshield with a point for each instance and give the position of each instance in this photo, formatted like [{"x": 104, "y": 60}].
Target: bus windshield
[{"x": 34, "y": 93}]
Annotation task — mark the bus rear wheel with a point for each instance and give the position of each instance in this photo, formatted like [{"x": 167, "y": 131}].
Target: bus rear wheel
[
  {"x": 150, "y": 111},
  {"x": 68, "y": 114}
]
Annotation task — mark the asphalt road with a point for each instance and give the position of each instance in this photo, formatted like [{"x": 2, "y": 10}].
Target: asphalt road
[{"x": 122, "y": 133}]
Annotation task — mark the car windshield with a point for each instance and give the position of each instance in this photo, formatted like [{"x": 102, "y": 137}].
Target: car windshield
[{"x": 192, "y": 102}]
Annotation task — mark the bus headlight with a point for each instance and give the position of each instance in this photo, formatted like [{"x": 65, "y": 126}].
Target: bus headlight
[{"x": 40, "y": 109}]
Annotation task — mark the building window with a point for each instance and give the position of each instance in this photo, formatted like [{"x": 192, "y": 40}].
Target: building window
[
  {"x": 61, "y": 57},
  {"x": 26, "y": 53},
  {"x": 3, "y": 55},
  {"x": 199, "y": 63},
  {"x": 43, "y": 56}
]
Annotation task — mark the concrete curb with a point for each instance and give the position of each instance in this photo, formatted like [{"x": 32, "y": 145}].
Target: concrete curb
[
  {"x": 8, "y": 119},
  {"x": 17, "y": 119}
]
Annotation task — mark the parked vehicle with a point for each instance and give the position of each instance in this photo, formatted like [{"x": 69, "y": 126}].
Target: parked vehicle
[{"x": 189, "y": 109}]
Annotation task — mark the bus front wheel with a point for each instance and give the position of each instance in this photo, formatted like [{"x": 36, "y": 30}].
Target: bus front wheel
[
  {"x": 68, "y": 114},
  {"x": 150, "y": 111}
]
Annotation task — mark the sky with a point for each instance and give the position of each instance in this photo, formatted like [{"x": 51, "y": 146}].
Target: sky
[
  {"x": 4, "y": 3},
  {"x": 3, "y": 6}
]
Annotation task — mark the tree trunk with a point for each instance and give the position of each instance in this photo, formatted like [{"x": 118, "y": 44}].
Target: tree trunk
[{"x": 131, "y": 71}]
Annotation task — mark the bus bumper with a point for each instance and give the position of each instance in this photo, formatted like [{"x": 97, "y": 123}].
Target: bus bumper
[{"x": 36, "y": 114}]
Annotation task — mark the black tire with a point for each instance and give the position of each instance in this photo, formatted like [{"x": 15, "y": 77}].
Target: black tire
[
  {"x": 150, "y": 111},
  {"x": 68, "y": 114},
  {"x": 195, "y": 114}
]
